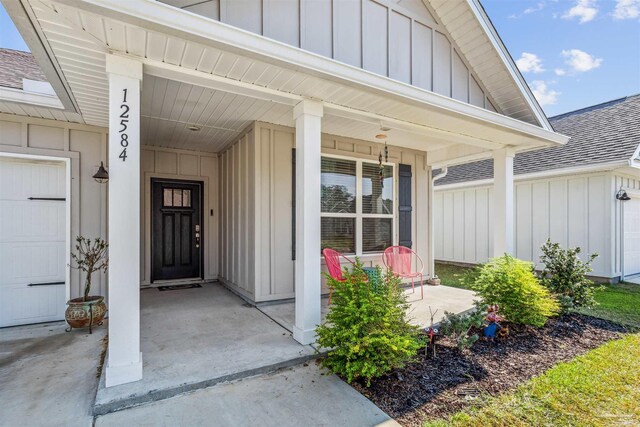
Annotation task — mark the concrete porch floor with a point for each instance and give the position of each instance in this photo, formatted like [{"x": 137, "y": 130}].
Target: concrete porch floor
[
  {"x": 440, "y": 298},
  {"x": 195, "y": 338}
]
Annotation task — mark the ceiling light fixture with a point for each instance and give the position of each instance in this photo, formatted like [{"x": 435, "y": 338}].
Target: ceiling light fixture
[{"x": 194, "y": 128}]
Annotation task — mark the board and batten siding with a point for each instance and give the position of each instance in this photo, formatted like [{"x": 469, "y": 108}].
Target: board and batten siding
[
  {"x": 256, "y": 207},
  {"x": 86, "y": 146},
  {"x": 628, "y": 182},
  {"x": 398, "y": 39},
  {"x": 570, "y": 210},
  {"x": 187, "y": 165},
  {"x": 237, "y": 219}
]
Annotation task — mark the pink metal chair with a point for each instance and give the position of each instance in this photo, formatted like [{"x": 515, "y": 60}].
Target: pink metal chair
[
  {"x": 332, "y": 259},
  {"x": 398, "y": 260}
]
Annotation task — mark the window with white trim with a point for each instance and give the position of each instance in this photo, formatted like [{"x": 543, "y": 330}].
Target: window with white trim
[{"x": 357, "y": 205}]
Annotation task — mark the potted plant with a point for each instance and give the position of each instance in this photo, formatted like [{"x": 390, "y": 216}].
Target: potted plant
[{"x": 88, "y": 310}]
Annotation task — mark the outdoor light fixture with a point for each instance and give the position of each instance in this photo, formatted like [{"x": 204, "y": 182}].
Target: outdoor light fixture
[
  {"x": 622, "y": 195},
  {"x": 194, "y": 128},
  {"x": 102, "y": 175}
]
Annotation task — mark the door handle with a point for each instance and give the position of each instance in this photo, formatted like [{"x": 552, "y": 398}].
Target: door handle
[{"x": 197, "y": 236}]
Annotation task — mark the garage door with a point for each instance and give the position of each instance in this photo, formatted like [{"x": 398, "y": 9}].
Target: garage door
[
  {"x": 32, "y": 242},
  {"x": 632, "y": 237}
]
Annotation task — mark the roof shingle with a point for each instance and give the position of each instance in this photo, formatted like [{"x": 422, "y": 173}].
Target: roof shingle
[
  {"x": 15, "y": 66},
  {"x": 601, "y": 133}
]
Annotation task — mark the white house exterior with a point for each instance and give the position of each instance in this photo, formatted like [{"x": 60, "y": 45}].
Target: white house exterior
[
  {"x": 195, "y": 109},
  {"x": 567, "y": 194}
]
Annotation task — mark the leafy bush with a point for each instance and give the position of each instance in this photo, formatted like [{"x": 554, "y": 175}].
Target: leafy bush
[
  {"x": 366, "y": 327},
  {"x": 511, "y": 283},
  {"x": 565, "y": 275},
  {"x": 459, "y": 326}
]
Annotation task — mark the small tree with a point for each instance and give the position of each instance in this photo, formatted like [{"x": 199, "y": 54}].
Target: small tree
[
  {"x": 565, "y": 275},
  {"x": 366, "y": 328},
  {"x": 511, "y": 283},
  {"x": 91, "y": 257}
]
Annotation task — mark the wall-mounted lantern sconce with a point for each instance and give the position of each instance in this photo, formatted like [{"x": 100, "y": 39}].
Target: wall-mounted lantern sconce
[
  {"x": 622, "y": 195},
  {"x": 102, "y": 175}
]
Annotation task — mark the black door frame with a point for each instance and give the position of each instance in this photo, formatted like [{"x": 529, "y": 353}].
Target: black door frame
[{"x": 200, "y": 185}]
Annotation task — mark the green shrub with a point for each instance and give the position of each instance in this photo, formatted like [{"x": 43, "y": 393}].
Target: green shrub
[
  {"x": 565, "y": 275},
  {"x": 366, "y": 328},
  {"x": 511, "y": 283},
  {"x": 459, "y": 326}
]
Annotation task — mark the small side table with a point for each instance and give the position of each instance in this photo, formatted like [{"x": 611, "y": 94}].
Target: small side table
[{"x": 373, "y": 274}]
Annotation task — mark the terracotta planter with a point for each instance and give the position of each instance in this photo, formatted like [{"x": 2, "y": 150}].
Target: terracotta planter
[{"x": 85, "y": 314}]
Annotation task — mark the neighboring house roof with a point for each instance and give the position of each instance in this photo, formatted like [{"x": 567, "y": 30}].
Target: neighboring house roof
[
  {"x": 15, "y": 66},
  {"x": 602, "y": 133}
]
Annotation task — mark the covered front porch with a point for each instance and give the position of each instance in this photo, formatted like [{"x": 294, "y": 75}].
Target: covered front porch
[
  {"x": 213, "y": 104},
  {"x": 194, "y": 338}
]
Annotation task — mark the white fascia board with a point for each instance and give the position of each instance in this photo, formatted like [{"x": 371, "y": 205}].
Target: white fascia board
[
  {"x": 30, "y": 98},
  {"x": 602, "y": 167},
  {"x": 634, "y": 161},
  {"x": 513, "y": 70},
  {"x": 170, "y": 20}
]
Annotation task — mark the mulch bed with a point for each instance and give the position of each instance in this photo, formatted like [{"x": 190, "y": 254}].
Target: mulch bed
[{"x": 433, "y": 388}]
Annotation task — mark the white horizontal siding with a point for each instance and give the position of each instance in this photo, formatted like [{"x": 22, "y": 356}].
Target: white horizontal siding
[{"x": 571, "y": 210}]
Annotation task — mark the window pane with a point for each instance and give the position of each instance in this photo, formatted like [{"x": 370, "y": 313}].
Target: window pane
[
  {"x": 338, "y": 186},
  {"x": 376, "y": 234},
  {"x": 186, "y": 198},
  {"x": 167, "y": 196},
  {"x": 177, "y": 198},
  {"x": 339, "y": 234},
  {"x": 377, "y": 195}
]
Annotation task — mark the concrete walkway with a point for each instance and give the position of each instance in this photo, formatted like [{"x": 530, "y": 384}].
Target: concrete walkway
[
  {"x": 48, "y": 377},
  {"x": 300, "y": 396},
  {"x": 196, "y": 338}
]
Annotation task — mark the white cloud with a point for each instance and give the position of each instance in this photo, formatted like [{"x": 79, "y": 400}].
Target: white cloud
[
  {"x": 538, "y": 7},
  {"x": 535, "y": 8},
  {"x": 529, "y": 63},
  {"x": 627, "y": 9},
  {"x": 585, "y": 10},
  {"x": 560, "y": 72},
  {"x": 543, "y": 94},
  {"x": 581, "y": 61}
]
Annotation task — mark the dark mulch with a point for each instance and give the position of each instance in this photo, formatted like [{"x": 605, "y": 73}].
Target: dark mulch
[{"x": 433, "y": 388}]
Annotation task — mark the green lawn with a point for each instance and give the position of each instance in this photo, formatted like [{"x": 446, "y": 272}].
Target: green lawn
[
  {"x": 600, "y": 388},
  {"x": 619, "y": 303},
  {"x": 451, "y": 275}
]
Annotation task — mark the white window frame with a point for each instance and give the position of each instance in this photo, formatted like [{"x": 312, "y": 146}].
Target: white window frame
[{"x": 358, "y": 215}]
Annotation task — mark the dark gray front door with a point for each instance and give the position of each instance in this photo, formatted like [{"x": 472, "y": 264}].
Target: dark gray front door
[{"x": 176, "y": 241}]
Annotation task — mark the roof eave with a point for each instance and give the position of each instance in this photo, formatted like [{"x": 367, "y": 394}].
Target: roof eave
[
  {"x": 22, "y": 17},
  {"x": 503, "y": 53}
]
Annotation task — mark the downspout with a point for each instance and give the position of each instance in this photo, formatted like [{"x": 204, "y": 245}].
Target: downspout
[
  {"x": 621, "y": 240},
  {"x": 442, "y": 174}
]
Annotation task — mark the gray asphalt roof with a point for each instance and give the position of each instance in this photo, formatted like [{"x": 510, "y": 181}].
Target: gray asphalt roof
[
  {"x": 601, "y": 133},
  {"x": 15, "y": 66}
]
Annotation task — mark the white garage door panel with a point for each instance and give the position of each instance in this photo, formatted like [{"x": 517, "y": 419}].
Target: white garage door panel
[
  {"x": 32, "y": 242},
  {"x": 632, "y": 237}
]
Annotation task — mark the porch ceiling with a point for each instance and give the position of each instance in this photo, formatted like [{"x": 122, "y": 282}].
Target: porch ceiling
[{"x": 221, "y": 88}]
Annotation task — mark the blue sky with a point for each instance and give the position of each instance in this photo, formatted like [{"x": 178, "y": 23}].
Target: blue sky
[
  {"x": 573, "y": 53},
  {"x": 577, "y": 53}
]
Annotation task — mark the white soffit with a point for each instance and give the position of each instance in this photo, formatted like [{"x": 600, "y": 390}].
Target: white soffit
[{"x": 80, "y": 40}]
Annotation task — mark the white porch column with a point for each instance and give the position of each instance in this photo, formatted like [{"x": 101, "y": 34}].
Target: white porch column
[
  {"x": 308, "y": 117},
  {"x": 503, "y": 202},
  {"x": 125, "y": 360}
]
